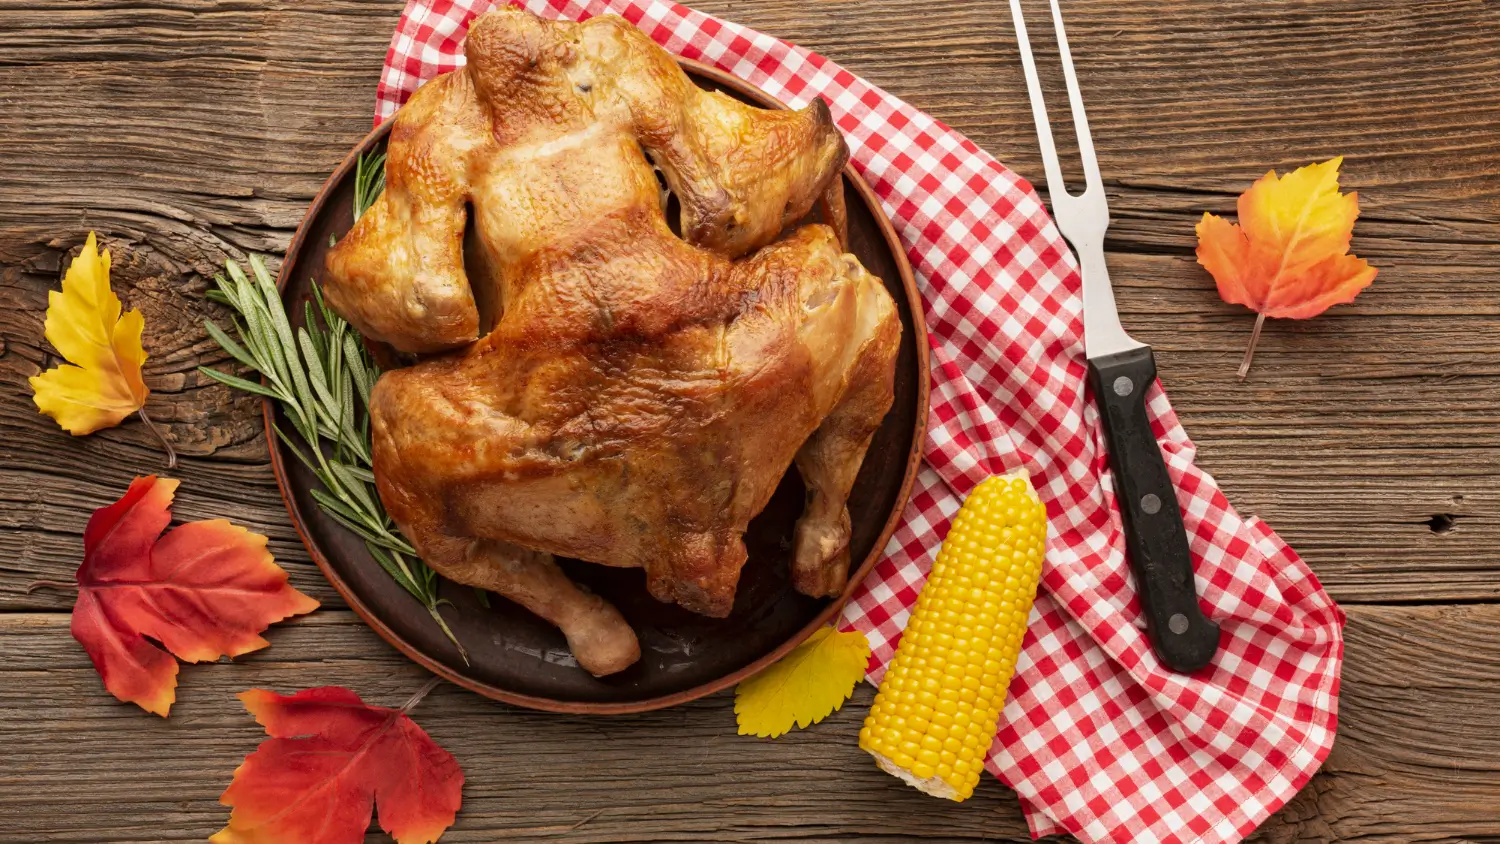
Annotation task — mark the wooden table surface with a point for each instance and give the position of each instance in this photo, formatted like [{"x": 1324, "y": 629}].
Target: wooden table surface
[{"x": 186, "y": 132}]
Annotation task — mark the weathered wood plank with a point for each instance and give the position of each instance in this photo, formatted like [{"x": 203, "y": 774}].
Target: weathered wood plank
[
  {"x": 1418, "y": 750},
  {"x": 1418, "y": 754},
  {"x": 1171, "y": 91},
  {"x": 187, "y": 131},
  {"x": 99, "y": 770},
  {"x": 1189, "y": 98},
  {"x": 1401, "y": 502},
  {"x": 197, "y": 130}
]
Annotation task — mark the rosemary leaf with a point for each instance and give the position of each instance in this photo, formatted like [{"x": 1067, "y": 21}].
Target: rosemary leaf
[
  {"x": 432, "y": 610},
  {"x": 357, "y": 488},
  {"x": 363, "y": 474},
  {"x": 270, "y": 361},
  {"x": 322, "y": 400},
  {"x": 398, "y": 573},
  {"x": 369, "y": 182},
  {"x": 311, "y": 326},
  {"x": 238, "y": 383},
  {"x": 329, "y": 317},
  {"x": 238, "y": 281},
  {"x": 337, "y": 508},
  {"x": 333, "y": 484},
  {"x": 228, "y": 344},
  {"x": 282, "y": 342},
  {"x": 352, "y": 524},
  {"x": 364, "y": 380},
  {"x": 287, "y": 441}
]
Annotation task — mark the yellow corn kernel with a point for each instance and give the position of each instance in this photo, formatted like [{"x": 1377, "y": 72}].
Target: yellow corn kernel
[{"x": 953, "y": 667}]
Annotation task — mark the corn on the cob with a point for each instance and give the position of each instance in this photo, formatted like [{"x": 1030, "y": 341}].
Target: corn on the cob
[{"x": 935, "y": 715}]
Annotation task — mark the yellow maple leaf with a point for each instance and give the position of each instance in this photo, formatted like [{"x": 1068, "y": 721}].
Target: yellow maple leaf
[
  {"x": 101, "y": 383},
  {"x": 1288, "y": 257},
  {"x": 803, "y": 687}
]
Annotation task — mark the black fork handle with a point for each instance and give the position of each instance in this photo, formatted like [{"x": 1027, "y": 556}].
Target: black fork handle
[{"x": 1155, "y": 538}]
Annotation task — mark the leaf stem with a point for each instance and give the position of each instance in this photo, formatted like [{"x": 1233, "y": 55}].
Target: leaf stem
[
  {"x": 416, "y": 698},
  {"x": 462, "y": 652},
  {"x": 50, "y": 584},
  {"x": 171, "y": 452},
  {"x": 1260, "y": 320}
]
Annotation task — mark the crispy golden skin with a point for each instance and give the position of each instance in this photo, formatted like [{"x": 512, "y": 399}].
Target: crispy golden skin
[{"x": 640, "y": 394}]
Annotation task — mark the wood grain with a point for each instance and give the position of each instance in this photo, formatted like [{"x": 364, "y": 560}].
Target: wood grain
[
  {"x": 188, "y": 131},
  {"x": 192, "y": 135},
  {"x": 1417, "y": 758},
  {"x": 674, "y": 775},
  {"x": 1418, "y": 751}
]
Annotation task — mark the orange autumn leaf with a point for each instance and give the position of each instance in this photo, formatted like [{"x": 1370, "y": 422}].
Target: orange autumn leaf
[
  {"x": 1289, "y": 255},
  {"x": 101, "y": 383},
  {"x": 330, "y": 760},
  {"x": 204, "y": 590}
]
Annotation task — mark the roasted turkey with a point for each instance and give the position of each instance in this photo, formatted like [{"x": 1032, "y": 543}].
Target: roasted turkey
[{"x": 639, "y": 393}]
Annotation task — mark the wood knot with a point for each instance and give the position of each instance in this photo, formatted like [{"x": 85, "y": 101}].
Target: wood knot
[{"x": 1442, "y": 523}]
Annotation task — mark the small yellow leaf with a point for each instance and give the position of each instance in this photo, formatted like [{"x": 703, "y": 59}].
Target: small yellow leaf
[
  {"x": 805, "y": 686},
  {"x": 101, "y": 384}
]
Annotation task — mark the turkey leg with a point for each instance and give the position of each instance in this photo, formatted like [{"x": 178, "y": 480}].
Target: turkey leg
[
  {"x": 598, "y": 635},
  {"x": 830, "y": 459}
]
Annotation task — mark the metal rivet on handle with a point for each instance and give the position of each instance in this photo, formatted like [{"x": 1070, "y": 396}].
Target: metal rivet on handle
[
  {"x": 1178, "y": 623},
  {"x": 1150, "y": 503},
  {"x": 1123, "y": 386}
]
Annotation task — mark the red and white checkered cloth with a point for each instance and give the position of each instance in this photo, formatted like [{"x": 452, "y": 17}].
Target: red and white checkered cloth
[{"x": 1097, "y": 738}]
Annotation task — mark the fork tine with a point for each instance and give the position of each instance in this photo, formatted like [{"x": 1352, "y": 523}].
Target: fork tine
[
  {"x": 1056, "y": 188},
  {"x": 1092, "y": 181}
]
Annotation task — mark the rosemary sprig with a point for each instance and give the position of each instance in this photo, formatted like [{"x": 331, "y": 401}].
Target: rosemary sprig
[
  {"x": 369, "y": 181},
  {"x": 321, "y": 375}
]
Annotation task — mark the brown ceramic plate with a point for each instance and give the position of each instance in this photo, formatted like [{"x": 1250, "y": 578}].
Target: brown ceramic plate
[{"x": 515, "y": 656}]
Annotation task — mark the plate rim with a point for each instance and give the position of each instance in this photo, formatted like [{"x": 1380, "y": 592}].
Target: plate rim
[{"x": 834, "y": 606}]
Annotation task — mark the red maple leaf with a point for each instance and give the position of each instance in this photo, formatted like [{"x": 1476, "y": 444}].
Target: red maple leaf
[
  {"x": 329, "y": 760},
  {"x": 205, "y": 590}
]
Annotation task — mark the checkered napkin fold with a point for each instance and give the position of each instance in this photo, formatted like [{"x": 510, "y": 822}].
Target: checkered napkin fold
[{"x": 1098, "y": 739}]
